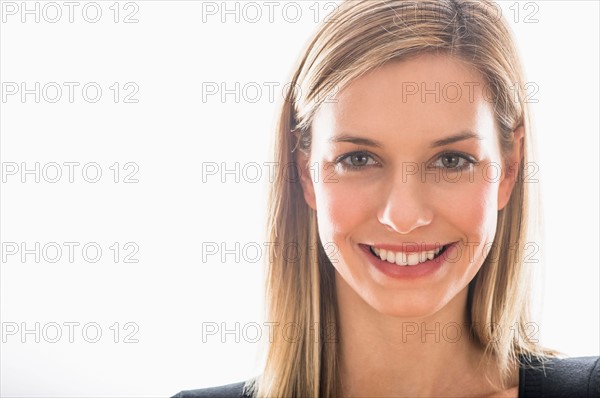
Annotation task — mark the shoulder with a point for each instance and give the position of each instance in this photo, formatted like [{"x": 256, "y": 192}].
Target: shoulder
[
  {"x": 554, "y": 377},
  {"x": 234, "y": 390}
]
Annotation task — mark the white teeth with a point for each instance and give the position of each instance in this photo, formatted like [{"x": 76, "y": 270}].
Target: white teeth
[
  {"x": 404, "y": 259},
  {"x": 391, "y": 257},
  {"x": 413, "y": 259},
  {"x": 400, "y": 259}
]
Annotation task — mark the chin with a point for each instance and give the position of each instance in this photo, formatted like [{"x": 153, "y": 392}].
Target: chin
[
  {"x": 415, "y": 304},
  {"x": 407, "y": 307}
]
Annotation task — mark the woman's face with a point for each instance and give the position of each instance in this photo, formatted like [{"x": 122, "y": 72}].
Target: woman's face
[{"x": 385, "y": 172}]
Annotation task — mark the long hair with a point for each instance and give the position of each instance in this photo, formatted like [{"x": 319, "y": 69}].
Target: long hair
[{"x": 300, "y": 283}]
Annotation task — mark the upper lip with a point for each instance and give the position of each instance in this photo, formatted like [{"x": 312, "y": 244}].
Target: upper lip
[{"x": 410, "y": 247}]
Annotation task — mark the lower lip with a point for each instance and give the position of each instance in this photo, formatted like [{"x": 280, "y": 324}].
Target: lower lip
[{"x": 409, "y": 271}]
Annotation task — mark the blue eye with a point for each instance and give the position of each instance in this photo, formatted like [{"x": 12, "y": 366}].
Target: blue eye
[
  {"x": 455, "y": 161},
  {"x": 356, "y": 160}
]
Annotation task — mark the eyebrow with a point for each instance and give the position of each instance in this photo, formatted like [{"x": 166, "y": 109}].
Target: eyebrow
[
  {"x": 354, "y": 140},
  {"x": 463, "y": 135}
]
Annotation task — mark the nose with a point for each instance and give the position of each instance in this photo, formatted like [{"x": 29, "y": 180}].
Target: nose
[{"x": 405, "y": 206}]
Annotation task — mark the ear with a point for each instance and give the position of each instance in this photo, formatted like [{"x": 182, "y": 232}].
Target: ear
[
  {"x": 306, "y": 181},
  {"x": 511, "y": 170}
]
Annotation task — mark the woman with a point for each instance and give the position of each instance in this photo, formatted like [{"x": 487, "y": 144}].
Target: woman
[{"x": 411, "y": 215}]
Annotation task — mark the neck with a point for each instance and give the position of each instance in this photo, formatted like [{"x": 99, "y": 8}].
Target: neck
[{"x": 383, "y": 355}]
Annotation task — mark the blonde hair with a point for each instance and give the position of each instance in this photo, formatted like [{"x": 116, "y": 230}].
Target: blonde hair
[{"x": 360, "y": 36}]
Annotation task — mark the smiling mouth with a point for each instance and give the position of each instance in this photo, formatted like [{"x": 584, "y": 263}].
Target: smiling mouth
[{"x": 407, "y": 259}]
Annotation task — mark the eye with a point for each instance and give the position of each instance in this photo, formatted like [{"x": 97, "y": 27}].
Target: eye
[
  {"x": 455, "y": 161},
  {"x": 356, "y": 160}
]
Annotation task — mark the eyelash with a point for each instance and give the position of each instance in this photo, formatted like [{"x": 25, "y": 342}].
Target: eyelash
[
  {"x": 349, "y": 167},
  {"x": 340, "y": 160},
  {"x": 469, "y": 160}
]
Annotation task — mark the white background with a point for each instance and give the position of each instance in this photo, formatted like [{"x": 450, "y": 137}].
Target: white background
[{"x": 169, "y": 134}]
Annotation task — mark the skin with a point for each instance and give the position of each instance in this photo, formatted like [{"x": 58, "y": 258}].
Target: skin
[{"x": 380, "y": 202}]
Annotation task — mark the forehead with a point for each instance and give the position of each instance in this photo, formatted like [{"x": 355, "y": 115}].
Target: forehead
[{"x": 424, "y": 96}]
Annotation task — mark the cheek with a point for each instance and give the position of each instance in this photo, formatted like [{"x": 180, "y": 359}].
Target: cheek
[
  {"x": 470, "y": 209},
  {"x": 467, "y": 207},
  {"x": 471, "y": 205},
  {"x": 341, "y": 207}
]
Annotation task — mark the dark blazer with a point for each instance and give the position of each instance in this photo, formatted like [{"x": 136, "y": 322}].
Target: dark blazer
[
  {"x": 233, "y": 390},
  {"x": 567, "y": 377}
]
